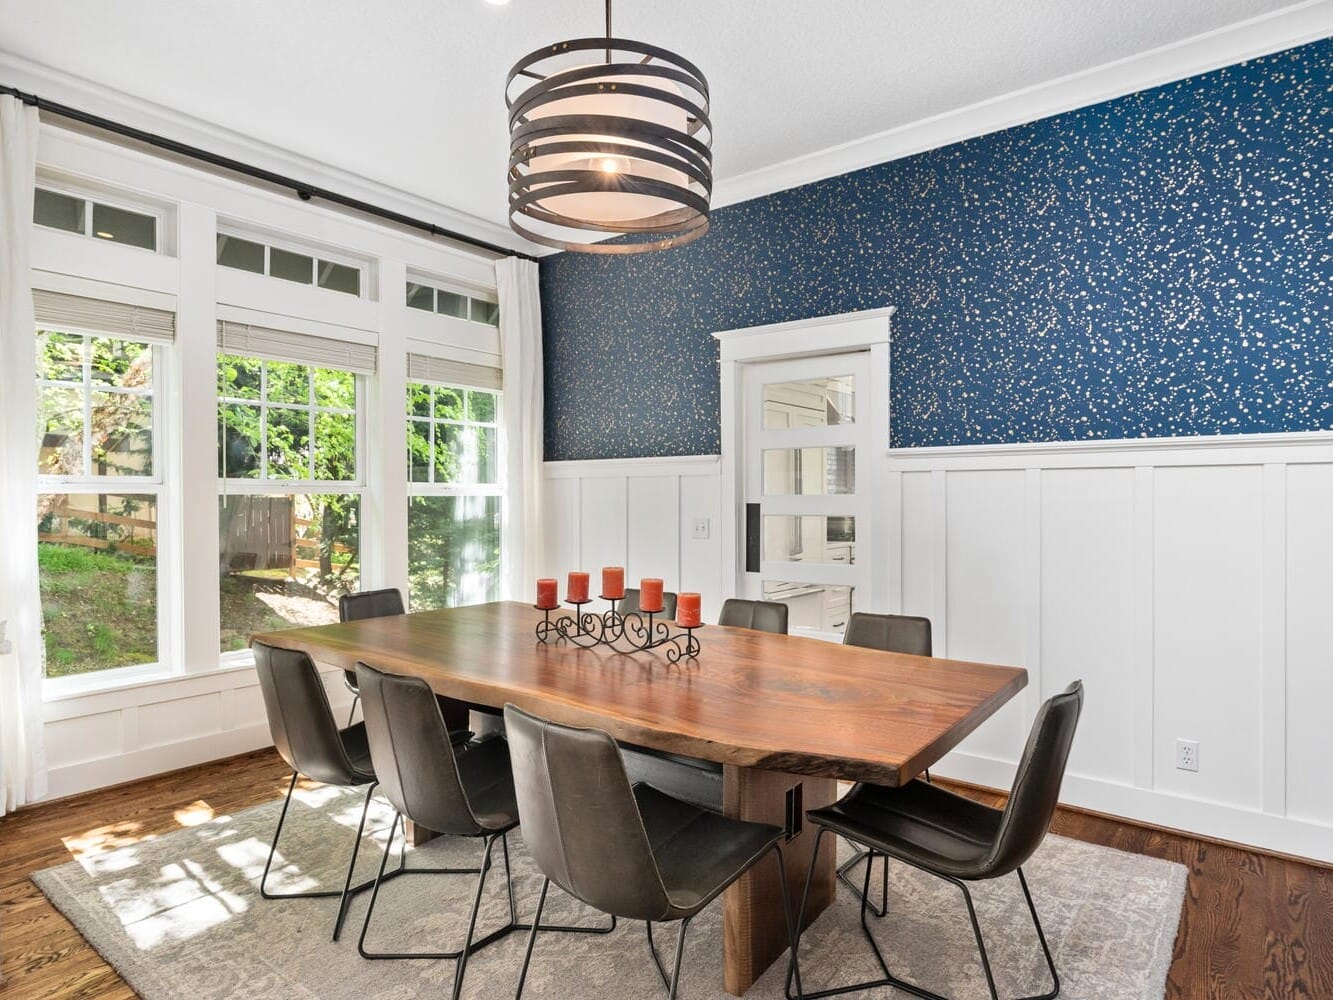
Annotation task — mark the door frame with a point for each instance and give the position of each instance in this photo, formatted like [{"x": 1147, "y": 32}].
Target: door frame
[{"x": 866, "y": 330}]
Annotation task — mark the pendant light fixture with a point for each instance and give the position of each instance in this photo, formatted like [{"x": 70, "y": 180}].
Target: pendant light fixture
[{"x": 608, "y": 137}]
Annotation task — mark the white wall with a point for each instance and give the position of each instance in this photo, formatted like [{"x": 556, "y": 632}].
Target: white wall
[{"x": 1186, "y": 582}]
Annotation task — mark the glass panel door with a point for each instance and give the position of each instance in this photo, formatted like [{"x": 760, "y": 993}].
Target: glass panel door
[{"x": 806, "y": 518}]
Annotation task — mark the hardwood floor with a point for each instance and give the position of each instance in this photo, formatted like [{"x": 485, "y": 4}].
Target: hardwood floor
[{"x": 1255, "y": 926}]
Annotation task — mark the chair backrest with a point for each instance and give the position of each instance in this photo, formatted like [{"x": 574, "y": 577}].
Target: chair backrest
[
  {"x": 410, "y": 748},
  {"x": 370, "y": 604},
  {"x": 630, "y": 604},
  {"x": 580, "y": 821},
  {"x": 1036, "y": 791},
  {"x": 299, "y": 716},
  {"x": 891, "y": 633},
  {"x": 765, "y": 616}
]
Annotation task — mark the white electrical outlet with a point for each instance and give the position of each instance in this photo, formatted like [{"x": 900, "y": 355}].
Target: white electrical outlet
[
  {"x": 701, "y": 527},
  {"x": 1187, "y": 755}
]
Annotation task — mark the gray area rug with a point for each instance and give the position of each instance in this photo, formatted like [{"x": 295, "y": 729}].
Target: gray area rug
[{"x": 180, "y": 916}]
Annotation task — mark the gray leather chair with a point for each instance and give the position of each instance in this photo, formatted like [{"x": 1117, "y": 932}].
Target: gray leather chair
[
  {"x": 308, "y": 739},
  {"x": 367, "y": 604},
  {"x": 893, "y": 634},
  {"x": 958, "y": 839},
  {"x": 630, "y": 605},
  {"x": 460, "y": 795},
  {"x": 384, "y": 604},
  {"x": 628, "y": 850},
  {"x": 763, "y": 616}
]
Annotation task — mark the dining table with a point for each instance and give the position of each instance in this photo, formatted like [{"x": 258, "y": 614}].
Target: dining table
[{"x": 785, "y": 716}]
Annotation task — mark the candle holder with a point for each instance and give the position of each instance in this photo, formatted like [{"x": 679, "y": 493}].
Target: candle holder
[{"x": 636, "y": 632}]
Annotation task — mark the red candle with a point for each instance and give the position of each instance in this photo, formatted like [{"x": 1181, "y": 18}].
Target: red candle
[
  {"x": 687, "y": 610},
  {"x": 546, "y": 599},
  {"x": 613, "y": 582},
  {"x": 650, "y": 595},
  {"x": 576, "y": 591}
]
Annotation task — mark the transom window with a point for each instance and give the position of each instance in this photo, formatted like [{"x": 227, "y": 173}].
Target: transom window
[
  {"x": 289, "y": 265},
  {"x": 446, "y": 302},
  {"x": 98, "y": 494},
  {"x": 75, "y": 214},
  {"x": 456, "y": 495}
]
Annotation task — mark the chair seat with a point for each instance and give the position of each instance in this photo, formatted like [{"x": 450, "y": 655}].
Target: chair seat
[
  {"x": 358, "y": 752},
  {"x": 698, "y": 852},
  {"x": 488, "y": 783},
  {"x": 920, "y": 823}
]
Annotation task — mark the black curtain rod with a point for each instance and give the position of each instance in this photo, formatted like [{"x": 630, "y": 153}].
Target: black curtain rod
[{"x": 304, "y": 191}]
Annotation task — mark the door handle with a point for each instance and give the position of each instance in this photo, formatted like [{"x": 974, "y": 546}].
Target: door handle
[{"x": 752, "y": 538}]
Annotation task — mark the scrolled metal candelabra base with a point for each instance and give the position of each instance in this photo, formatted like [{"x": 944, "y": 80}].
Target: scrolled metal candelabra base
[{"x": 636, "y": 632}]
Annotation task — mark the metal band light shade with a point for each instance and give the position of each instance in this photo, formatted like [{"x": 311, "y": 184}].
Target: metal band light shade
[{"x": 618, "y": 144}]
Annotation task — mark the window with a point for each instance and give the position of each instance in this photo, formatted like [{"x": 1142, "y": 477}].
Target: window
[
  {"x": 289, "y": 265},
  {"x": 455, "y": 494},
  {"x": 75, "y": 214},
  {"x": 99, "y": 491},
  {"x": 449, "y": 303},
  {"x": 288, "y": 464}
]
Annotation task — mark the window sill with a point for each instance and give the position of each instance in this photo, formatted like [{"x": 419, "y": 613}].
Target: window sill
[{"x": 58, "y": 689}]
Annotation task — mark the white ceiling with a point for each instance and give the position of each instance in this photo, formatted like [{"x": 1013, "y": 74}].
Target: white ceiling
[{"x": 409, "y": 93}]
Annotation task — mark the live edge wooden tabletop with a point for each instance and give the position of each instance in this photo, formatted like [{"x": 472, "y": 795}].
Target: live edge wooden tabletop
[{"x": 751, "y": 699}]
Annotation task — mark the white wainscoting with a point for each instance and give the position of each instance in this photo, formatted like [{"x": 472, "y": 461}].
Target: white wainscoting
[
  {"x": 102, "y": 738},
  {"x": 1188, "y": 583}
]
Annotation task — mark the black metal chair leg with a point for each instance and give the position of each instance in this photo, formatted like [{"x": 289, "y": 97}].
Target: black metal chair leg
[
  {"x": 786, "y": 915},
  {"x": 1041, "y": 936},
  {"x": 352, "y": 714},
  {"x": 868, "y": 857},
  {"x": 981, "y": 945},
  {"x": 472, "y": 920},
  {"x": 532, "y": 939},
  {"x": 800, "y": 914},
  {"x": 351, "y": 865},
  {"x": 680, "y": 953},
  {"x": 272, "y": 851}
]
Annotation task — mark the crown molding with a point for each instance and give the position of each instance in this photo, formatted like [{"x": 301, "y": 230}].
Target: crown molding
[
  {"x": 1305, "y": 22},
  {"x": 85, "y": 95}
]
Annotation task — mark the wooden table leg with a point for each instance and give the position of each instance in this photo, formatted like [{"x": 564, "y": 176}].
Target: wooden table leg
[{"x": 754, "y": 932}]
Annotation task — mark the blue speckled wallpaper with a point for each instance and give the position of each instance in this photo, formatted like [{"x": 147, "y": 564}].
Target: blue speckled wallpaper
[{"x": 1157, "y": 265}]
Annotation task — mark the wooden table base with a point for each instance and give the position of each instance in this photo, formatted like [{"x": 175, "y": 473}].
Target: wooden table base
[{"x": 754, "y": 930}]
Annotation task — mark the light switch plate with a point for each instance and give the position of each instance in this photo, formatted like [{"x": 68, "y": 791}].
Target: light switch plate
[{"x": 701, "y": 527}]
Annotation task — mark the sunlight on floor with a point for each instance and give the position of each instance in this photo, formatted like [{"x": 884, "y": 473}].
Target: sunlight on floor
[{"x": 195, "y": 814}]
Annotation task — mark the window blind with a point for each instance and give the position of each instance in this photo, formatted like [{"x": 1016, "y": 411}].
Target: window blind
[
  {"x": 117, "y": 319},
  {"x": 253, "y": 341},
  {"x": 424, "y": 368}
]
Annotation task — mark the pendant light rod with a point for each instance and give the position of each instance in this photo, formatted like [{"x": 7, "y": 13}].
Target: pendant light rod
[
  {"x": 608, "y": 32},
  {"x": 303, "y": 190}
]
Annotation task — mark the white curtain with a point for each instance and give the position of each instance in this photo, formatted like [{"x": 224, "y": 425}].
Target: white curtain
[
  {"x": 22, "y": 760},
  {"x": 521, "y": 355}
]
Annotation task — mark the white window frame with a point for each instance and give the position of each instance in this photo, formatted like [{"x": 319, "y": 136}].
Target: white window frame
[
  {"x": 155, "y": 485},
  {"x": 438, "y": 285},
  {"x": 434, "y": 489},
  {"x": 275, "y": 486}
]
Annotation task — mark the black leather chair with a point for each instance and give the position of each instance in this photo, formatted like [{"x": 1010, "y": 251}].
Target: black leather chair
[
  {"x": 459, "y": 795},
  {"x": 763, "y": 616},
  {"x": 367, "y": 604},
  {"x": 384, "y": 604},
  {"x": 956, "y": 838},
  {"x": 630, "y": 605},
  {"x": 308, "y": 739},
  {"x": 892, "y": 634},
  {"x": 630, "y": 851}
]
